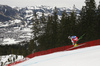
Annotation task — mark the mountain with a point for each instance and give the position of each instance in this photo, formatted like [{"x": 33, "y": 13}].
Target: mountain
[
  {"x": 15, "y": 22},
  {"x": 7, "y": 13},
  {"x": 27, "y": 12}
]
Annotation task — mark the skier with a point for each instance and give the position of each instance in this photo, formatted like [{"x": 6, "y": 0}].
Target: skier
[{"x": 73, "y": 40}]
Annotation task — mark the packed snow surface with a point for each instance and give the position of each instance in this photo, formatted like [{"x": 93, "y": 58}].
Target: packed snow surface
[{"x": 81, "y": 57}]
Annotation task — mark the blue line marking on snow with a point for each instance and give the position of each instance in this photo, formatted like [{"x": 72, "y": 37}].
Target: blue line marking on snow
[
  {"x": 49, "y": 59},
  {"x": 28, "y": 64}
]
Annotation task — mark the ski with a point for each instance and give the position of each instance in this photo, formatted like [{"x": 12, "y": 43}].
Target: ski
[{"x": 76, "y": 46}]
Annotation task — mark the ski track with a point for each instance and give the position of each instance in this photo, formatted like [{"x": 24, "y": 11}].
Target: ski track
[{"x": 57, "y": 55}]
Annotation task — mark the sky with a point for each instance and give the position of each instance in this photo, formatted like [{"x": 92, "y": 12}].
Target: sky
[{"x": 57, "y": 3}]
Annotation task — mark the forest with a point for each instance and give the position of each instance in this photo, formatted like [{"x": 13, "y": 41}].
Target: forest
[
  {"x": 54, "y": 31},
  {"x": 51, "y": 31}
]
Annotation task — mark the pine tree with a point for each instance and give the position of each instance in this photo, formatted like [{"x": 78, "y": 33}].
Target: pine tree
[
  {"x": 49, "y": 38},
  {"x": 36, "y": 26},
  {"x": 63, "y": 30},
  {"x": 46, "y": 40},
  {"x": 98, "y": 21},
  {"x": 54, "y": 26},
  {"x": 88, "y": 19},
  {"x": 43, "y": 23},
  {"x": 36, "y": 30},
  {"x": 83, "y": 22},
  {"x": 31, "y": 46},
  {"x": 43, "y": 19},
  {"x": 72, "y": 21},
  {"x": 49, "y": 30}
]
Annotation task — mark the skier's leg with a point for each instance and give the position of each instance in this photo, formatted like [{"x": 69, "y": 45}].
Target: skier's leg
[{"x": 75, "y": 45}]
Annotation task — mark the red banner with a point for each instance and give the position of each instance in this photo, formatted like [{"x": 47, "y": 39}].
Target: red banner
[{"x": 64, "y": 48}]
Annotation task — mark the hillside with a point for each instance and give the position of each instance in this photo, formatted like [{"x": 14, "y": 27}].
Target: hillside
[
  {"x": 7, "y": 13},
  {"x": 15, "y": 22}
]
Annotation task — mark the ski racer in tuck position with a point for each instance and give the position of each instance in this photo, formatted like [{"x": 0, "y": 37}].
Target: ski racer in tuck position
[{"x": 74, "y": 39}]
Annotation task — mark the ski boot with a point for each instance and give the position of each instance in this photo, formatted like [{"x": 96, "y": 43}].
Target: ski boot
[{"x": 75, "y": 45}]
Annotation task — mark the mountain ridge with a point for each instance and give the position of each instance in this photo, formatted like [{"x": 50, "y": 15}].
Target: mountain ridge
[{"x": 16, "y": 27}]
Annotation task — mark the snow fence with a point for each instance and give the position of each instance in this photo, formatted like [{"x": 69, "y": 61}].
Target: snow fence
[{"x": 63, "y": 48}]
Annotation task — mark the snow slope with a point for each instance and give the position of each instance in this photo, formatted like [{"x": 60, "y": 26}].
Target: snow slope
[
  {"x": 81, "y": 57},
  {"x": 6, "y": 59}
]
